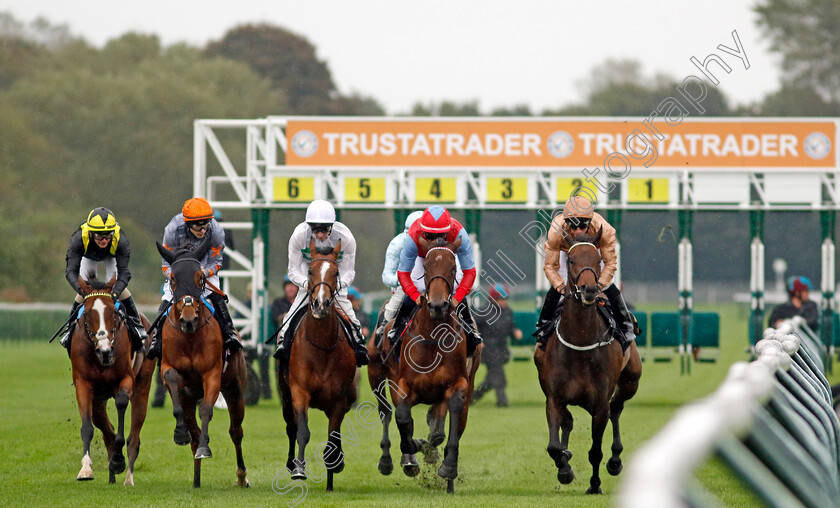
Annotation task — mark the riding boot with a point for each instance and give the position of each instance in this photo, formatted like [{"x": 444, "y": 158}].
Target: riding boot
[
  {"x": 156, "y": 347},
  {"x": 552, "y": 301},
  {"x": 357, "y": 342},
  {"x": 138, "y": 333},
  {"x": 467, "y": 321},
  {"x": 401, "y": 319},
  {"x": 379, "y": 328},
  {"x": 232, "y": 343},
  {"x": 622, "y": 315},
  {"x": 71, "y": 326}
]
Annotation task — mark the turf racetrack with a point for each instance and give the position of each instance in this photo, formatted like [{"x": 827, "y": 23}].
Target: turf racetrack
[{"x": 503, "y": 461}]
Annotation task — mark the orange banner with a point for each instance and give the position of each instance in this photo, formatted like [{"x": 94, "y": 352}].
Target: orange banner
[{"x": 554, "y": 143}]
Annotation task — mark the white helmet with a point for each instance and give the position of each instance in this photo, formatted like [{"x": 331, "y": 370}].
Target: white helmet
[
  {"x": 320, "y": 212},
  {"x": 413, "y": 216}
]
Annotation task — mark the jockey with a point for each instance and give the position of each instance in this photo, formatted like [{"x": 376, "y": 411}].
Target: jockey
[
  {"x": 188, "y": 229},
  {"x": 435, "y": 223},
  {"x": 389, "y": 275},
  {"x": 579, "y": 218},
  {"x": 320, "y": 225},
  {"x": 100, "y": 240}
]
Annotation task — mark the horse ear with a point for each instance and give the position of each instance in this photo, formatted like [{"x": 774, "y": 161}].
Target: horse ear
[
  {"x": 312, "y": 249},
  {"x": 203, "y": 247},
  {"x": 456, "y": 244},
  {"x": 424, "y": 244},
  {"x": 597, "y": 238},
  {"x": 84, "y": 285},
  {"x": 165, "y": 253},
  {"x": 110, "y": 284},
  {"x": 337, "y": 249}
]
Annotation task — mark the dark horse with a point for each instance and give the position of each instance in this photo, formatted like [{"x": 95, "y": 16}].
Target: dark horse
[
  {"x": 584, "y": 367},
  {"x": 322, "y": 368},
  {"x": 101, "y": 360},
  {"x": 432, "y": 369},
  {"x": 191, "y": 364}
]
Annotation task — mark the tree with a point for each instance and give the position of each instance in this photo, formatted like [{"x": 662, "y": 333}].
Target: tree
[
  {"x": 797, "y": 99},
  {"x": 285, "y": 58},
  {"x": 805, "y": 33}
]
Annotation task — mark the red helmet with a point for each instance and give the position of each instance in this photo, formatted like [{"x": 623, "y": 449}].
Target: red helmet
[
  {"x": 499, "y": 291},
  {"x": 435, "y": 219}
]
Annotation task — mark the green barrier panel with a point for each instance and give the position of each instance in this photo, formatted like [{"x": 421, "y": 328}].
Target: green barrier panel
[
  {"x": 706, "y": 329},
  {"x": 665, "y": 329},
  {"x": 527, "y": 322},
  {"x": 642, "y": 320}
]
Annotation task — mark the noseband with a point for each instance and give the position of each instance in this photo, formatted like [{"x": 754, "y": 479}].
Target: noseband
[
  {"x": 576, "y": 294},
  {"x": 112, "y": 332},
  {"x": 333, "y": 292},
  {"x": 429, "y": 280}
]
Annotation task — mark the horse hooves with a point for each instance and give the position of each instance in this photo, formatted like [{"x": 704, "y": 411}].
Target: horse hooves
[
  {"x": 386, "y": 466},
  {"x": 337, "y": 469},
  {"x": 430, "y": 453},
  {"x": 614, "y": 466},
  {"x": 565, "y": 476},
  {"x": 448, "y": 472},
  {"x": 299, "y": 474},
  {"x": 244, "y": 485},
  {"x": 182, "y": 437},
  {"x": 84, "y": 478},
  {"x": 117, "y": 464},
  {"x": 203, "y": 452},
  {"x": 594, "y": 490},
  {"x": 411, "y": 470}
]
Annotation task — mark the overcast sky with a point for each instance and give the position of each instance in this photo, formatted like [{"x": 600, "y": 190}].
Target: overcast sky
[{"x": 500, "y": 53}]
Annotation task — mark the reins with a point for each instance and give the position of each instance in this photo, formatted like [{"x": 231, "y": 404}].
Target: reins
[{"x": 117, "y": 319}]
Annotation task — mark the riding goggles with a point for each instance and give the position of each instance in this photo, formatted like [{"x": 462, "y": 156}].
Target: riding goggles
[
  {"x": 103, "y": 235},
  {"x": 433, "y": 236},
  {"x": 576, "y": 223},
  {"x": 199, "y": 224},
  {"x": 320, "y": 228}
]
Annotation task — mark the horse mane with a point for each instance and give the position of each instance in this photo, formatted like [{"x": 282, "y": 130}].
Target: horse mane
[
  {"x": 95, "y": 283},
  {"x": 440, "y": 242}
]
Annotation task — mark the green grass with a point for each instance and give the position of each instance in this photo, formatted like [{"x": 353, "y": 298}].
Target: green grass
[{"x": 502, "y": 458}]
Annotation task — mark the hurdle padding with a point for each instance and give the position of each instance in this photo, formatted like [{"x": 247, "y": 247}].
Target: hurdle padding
[{"x": 771, "y": 422}]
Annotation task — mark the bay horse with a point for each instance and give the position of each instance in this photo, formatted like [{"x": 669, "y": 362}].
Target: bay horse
[
  {"x": 583, "y": 366},
  {"x": 322, "y": 369},
  {"x": 101, "y": 359},
  {"x": 192, "y": 365},
  {"x": 433, "y": 369}
]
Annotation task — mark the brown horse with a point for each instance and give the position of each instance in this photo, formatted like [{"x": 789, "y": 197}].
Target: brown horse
[
  {"x": 192, "y": 365},
  {"x": 101, "y": 362},
  {"x": 322, "y": 368},
  {"x": 584, "y": 367},
  {"x": 433, "y": 369}
]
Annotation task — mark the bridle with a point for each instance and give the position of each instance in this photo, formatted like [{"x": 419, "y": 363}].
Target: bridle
[
  {"x": 189, "y": 300},
  {"x": 576, "y": 294},
  {"x": 429, "y": 280},
  {"x": 117, "y": 320},
  {"x": 333, "y": 292}
]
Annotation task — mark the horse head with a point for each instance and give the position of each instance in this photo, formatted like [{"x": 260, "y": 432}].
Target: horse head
[
  {"x": 99, "y": 318},
  {"x": 439, "y": 266},
  {"x": 322, "y": 287},
  {"x": 186, "y": 279},
  {"x": 584, "y": 267}
]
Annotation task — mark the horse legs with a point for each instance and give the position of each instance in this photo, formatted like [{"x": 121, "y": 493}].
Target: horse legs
[
  {"x": 408, "y": 445},
  {"x": 628, "y": 383},
  {"x": 212, "y": 382},
  {"x": 456, "y": 403},
  {"x": 116, "y": 464},
  {"x": 139, "y": 405},
  {"x": 436, "y": 419},
  {"x": 84, "y": 398},
  {"x": 333, "y": 455},
  {"x": 236, "y": 410},
  {"x": 101, "y": 421},
  {"x": 379, "y": 384},
  {"x": 300, "y": 402},
  {"x": 172, "y": 380},
  {"x": 188, "y": 404},
  {"x": 596, "y": 454},
  {"x": 288, "y": 416},
  {"x": 559, "y": 416}
]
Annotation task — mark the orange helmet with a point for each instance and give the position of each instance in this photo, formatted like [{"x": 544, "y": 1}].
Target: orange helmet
[
  {"x": 579, "y": 206},
  {"x": 197, "y": 209}
]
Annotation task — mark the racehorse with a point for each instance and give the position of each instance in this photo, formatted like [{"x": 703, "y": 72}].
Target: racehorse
[
  {"x": 433, "y": 369},
  {"x": 583, "y": 366},
  {"x": 322, "y": 368},
  {"x": 100, "y": 354},
  {"x": 192, "y": 364}
]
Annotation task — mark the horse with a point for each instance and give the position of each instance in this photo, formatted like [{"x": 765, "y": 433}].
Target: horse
[
  {"x": 432, "y": 369},
  {"x": 100, "y": 355},
  {"x": 192, "y": 365},
  {"x": 583, "y": 366},
  {"x": 322, "y": 369}
]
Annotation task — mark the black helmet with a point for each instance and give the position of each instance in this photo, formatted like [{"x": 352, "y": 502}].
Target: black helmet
[{"x": 101, "y": 220}]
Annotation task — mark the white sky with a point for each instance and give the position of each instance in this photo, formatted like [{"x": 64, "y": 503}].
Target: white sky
[{"x": 501, "y": 53}]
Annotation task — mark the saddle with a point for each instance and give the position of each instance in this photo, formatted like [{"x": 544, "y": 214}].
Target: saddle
[{"x": 604, "y": 311}]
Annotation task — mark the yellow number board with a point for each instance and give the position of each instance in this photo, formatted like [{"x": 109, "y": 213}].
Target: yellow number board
[
  {"x": 364, "y": 190},
  {"x": 507, "y": 190},
  {"x": 648, "y": 190},
  {"x": 293, "y": 189},
  {"x": 576, "y": 186},
  {"x": 435, "y": 190}
]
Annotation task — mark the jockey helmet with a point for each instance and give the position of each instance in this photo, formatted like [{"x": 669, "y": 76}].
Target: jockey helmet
[
  {"x": 197, "y": 209},
  {"x": 579, "y": 206},
  {"x": 798, "y": 284},
  {"x": 499, "y": 292},
  {"x": 320, "y": 212},
  {"x": 435, "y": 219},
  {"x": 413, "y": 216},
  {"x": 101, "y": 220}
]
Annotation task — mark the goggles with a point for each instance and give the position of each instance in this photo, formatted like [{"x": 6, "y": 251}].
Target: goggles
[{"x": 577, "y": 223}]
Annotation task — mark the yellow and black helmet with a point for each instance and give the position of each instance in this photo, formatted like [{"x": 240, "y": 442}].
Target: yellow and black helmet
[{"x": 101, "y": 220}]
